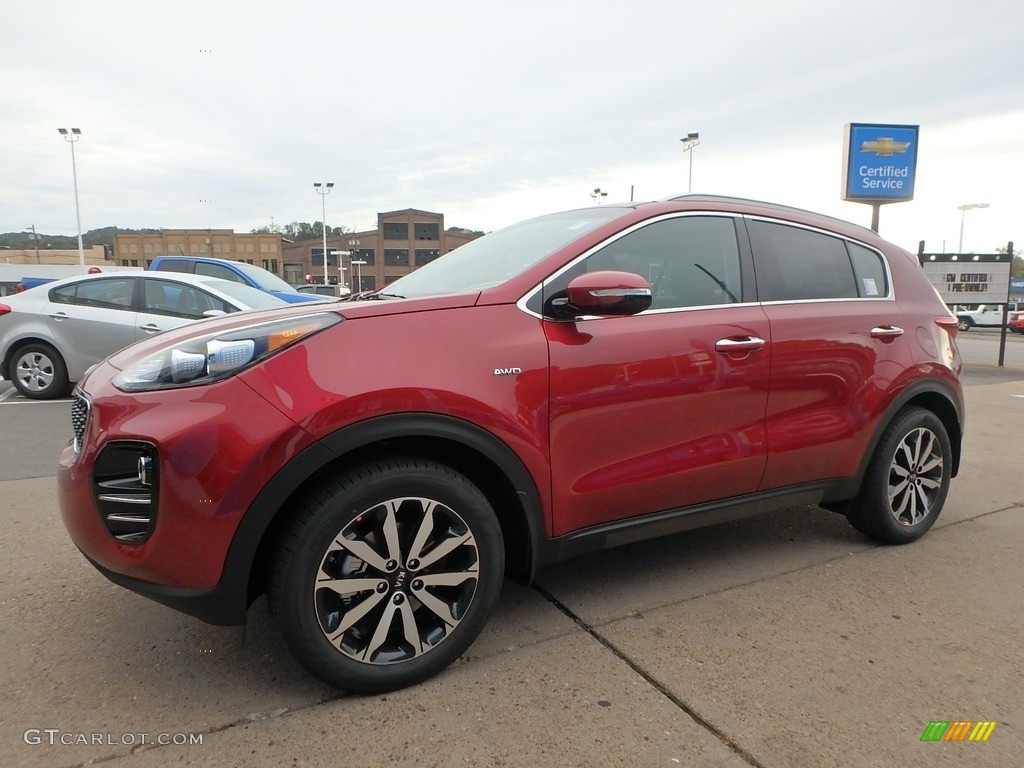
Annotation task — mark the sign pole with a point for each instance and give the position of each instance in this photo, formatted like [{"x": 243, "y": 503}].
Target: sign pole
[{"x": 1006, "y": 308}]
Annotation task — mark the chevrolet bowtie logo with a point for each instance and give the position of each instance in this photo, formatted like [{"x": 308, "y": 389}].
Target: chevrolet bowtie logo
[{"x": 884, "y": 146}]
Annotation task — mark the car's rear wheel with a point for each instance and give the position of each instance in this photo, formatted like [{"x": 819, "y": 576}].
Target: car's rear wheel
[
  {"x": 964, "y": 323},
  {"x": 907, "y": 479},
  {"x": 38, "y": 371},
  {"x": 388, "y": 574}
]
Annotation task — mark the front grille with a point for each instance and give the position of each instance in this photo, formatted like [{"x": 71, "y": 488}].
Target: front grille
[
  {"x": 126, "y": 489},
  {"x": 80, "y": 409}
]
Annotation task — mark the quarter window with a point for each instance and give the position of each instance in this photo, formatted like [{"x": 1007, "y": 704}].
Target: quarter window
[{"x": 869, "y": 271}]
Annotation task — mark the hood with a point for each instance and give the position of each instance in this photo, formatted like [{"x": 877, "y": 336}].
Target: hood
[{"x": 348, "y": 310}]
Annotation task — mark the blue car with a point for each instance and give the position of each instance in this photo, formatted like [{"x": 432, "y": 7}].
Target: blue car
[{"x": 237, "y": 271}]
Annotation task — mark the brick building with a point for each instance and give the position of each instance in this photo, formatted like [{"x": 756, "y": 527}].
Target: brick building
[
  {"x": 137, "y": 250},
  {"x": 402, "y": 241}
]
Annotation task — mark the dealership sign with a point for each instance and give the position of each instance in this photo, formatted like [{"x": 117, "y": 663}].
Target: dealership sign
[
  {"x": 880, "y": 162},
  {"x": 968, "y": 278}
]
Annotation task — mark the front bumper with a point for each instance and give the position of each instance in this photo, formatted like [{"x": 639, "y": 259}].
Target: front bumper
[{"x": 218, "y": 446}]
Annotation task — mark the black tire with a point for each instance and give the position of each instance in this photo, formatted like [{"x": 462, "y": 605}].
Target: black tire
[
  {"x": 907, "y": 480},
  {"x": 964, "y": 323},
  {"x": 425, "y": 562},
  {"x": 38, "y": 372}
]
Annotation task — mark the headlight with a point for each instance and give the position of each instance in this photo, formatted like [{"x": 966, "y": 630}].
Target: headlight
[{"x": 216, "y": 356}]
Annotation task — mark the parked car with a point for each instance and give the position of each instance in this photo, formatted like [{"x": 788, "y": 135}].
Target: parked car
[
  {"x": 983, "y": 316},
  {"x": 337, "y": 291},
  {"x": 1016, "y": 322},
  {"x": 236, "y": 271},
  {"x": 50, "y": 335},
  {"x": 570, "y": 383}
]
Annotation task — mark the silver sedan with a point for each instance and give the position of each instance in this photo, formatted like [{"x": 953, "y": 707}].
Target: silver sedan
[{"x": 51, "y": 335}]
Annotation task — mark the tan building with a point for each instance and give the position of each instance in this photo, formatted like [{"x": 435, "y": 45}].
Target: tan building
[
  {"x": 138, "y": 250},
  {"x": 94, "y": 256},
  {"x": 19, "y": 263},
  {"x": 402, "y": 241}
]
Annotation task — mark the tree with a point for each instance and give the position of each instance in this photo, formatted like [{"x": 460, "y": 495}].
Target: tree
[{"x": 1017, "y": 266}]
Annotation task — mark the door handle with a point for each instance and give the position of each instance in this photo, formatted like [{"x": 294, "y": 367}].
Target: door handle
[
  {"x": 59, "y": 316},
  {"x": 150, "y": 328},
  {"x": 739, "y": 344},
  {"x": 886, "y": 332}
]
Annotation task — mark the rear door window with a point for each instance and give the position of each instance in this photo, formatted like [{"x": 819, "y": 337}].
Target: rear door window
[
  {"x": 111, "y": 293},
  {"x": 794, "y": 264}
]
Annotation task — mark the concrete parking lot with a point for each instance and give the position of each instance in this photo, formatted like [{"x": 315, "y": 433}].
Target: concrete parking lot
[{"x": 785, "y": 640}]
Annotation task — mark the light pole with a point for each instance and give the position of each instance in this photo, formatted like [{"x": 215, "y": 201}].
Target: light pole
[
  {"x": 353, "y": 246},
  {"x": 358, "y": 264},
  {"x": 71, "y": 136},
  {"x": 689, "y": 142},
  {"x": 35, "y": 242},
  {"x": 324, "y": 190},
  {"x": 963, "y": 210},
  {"x": 598, "y": 195}
]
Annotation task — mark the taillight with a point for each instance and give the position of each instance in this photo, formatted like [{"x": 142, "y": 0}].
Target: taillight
[
  {"x": 4, "y": 309},
  {"x": 947, "y": 323}
]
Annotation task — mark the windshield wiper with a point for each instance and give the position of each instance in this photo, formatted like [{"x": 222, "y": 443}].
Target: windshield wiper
[{"x": 381, "y": 295}]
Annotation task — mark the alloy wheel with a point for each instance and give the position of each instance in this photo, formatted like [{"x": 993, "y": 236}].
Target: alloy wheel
[
  {"x": 915, "y": 476},
  {"x": 396, "y": 581}
]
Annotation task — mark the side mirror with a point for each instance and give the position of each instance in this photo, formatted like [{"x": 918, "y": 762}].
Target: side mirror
[{"x": 603, "y": 293}]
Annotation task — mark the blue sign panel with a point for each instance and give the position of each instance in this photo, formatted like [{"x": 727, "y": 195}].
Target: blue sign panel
[{"x": 880, "y": 162}]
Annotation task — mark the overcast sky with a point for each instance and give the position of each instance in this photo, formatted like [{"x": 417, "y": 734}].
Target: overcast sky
[{"x": 222, "y": 114}]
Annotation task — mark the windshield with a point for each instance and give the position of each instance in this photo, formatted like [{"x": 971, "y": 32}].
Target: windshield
[
  {"x": 246, "y": 295},
  {"x": 498, "y": 256},
  {"x": 268, "y": 281}
]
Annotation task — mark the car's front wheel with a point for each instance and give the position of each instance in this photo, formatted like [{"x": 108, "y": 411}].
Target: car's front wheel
[
  {"x": 38, "y": 372},
  {"x": 388, "y": 574},
  {"x": 964, "y": 323},
  {"x": 907, "y": 479}
]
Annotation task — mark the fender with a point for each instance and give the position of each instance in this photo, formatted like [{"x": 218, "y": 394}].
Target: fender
[
  {"x": 234, "y": 584},
  {"x": 931, "y": 387}
]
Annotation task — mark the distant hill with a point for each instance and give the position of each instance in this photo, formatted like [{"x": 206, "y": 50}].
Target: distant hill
[{"x": 103, "y": 236}]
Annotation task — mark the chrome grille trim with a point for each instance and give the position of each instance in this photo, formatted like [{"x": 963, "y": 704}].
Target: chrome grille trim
[{"x": 81, "y": 409}]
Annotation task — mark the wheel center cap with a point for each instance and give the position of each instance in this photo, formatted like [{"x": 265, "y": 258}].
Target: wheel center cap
[{"x": 400, "y": 578}]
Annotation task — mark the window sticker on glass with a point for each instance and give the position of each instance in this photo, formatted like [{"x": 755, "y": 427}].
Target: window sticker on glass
[{"x": 870, "y": 289}]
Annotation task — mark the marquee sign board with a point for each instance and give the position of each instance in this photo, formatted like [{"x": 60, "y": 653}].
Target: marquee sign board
[{"x": 968, "y": 278}]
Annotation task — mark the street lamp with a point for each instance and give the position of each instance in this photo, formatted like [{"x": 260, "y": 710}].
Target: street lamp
[
  {"x": 963, "y": 210},
  {"x": 598, "y": 195},
  {"x": 324, "y": 190},
  {"x": 358, "y": 264},
  {"x": 353, "y": 246},
  {"x": 71, "y": 136},
  {"x": 689, "y": 142}
]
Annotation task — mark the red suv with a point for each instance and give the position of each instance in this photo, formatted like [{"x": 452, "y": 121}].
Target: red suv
[{"x": 570, "y": 383}]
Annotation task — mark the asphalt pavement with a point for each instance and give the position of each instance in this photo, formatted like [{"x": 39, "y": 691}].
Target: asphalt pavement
[{"x": 784, "y": 640}]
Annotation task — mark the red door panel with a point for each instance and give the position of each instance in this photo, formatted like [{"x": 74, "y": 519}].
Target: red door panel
[
  {"x": 831, "y": 380},
  {"x": 647, "y": 415}
]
